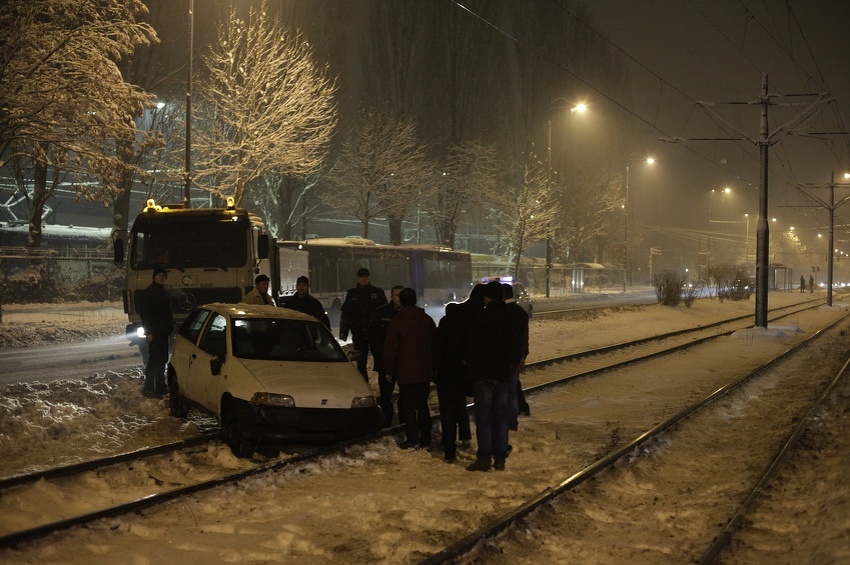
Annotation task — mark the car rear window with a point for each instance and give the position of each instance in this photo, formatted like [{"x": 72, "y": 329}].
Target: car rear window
[{"x": 274, "y": 339}]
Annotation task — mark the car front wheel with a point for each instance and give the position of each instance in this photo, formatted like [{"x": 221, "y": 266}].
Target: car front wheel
[
  {"x": 232, "y": 436},
  {"x": 177, "y": 407}
]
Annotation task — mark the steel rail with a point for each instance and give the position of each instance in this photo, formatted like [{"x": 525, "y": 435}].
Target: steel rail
[
  {"x": 502, "y": 523},
  {"x": 158, "y": 498},
  {"x": 734, "y": 524},
  {"x": 91, "y": 465}
]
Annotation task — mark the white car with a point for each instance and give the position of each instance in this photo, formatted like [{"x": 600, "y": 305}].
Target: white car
[{"x": 268, "y": 375}]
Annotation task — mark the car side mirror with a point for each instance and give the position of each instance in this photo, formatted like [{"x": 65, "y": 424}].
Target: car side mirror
[
  {"x": 118, "y": 251},
  {"x": 263, "y": 246},
  {"x": 215, "y": 365}
]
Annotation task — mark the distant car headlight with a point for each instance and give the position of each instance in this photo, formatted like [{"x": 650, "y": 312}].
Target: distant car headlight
[
  {"x": 363, "y": 402},
  {"x": 269, "y": 399}
]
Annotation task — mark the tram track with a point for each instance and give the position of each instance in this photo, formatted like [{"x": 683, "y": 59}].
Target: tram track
[
  {"x": 149, "y": 500},
  {"x": 512, "y": 528}
]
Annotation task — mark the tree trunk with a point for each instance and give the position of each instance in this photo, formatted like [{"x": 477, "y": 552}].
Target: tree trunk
[
  {"x": 395, "y": 231},
  {"x": 40, "y": 194}
]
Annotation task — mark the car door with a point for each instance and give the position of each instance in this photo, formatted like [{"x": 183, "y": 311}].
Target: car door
[
  {"x": 206, "y": 387},
  {"x": 185, "y": 344}
]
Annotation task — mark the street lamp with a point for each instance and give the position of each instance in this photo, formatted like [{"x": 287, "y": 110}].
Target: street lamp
[
  {"x": 726, "y": 190},
  {"x": 187, "y": 189},
  {"x": 627, "y": 271},
  {"x": 580, "y": 108}
]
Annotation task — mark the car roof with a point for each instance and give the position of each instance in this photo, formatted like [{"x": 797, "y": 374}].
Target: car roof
[{"x": 242, "y": 310}]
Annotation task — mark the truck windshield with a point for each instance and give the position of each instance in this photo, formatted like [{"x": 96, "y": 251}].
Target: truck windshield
[{"x": 190, "y": 242}]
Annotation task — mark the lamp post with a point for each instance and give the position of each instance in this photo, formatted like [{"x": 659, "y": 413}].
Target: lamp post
[
  {"x": 580, "y": 108},
  {"x": 627, "y": 271},
  {"x": 726, "y": 190},
  {"x": 187, "y": 189}
]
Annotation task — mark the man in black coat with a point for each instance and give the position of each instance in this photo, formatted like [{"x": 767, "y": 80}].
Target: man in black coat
[
  {"x": 158, "y": 322},
  {"x": 516, "y": 402},
  {"x": 494, "y": 344},
  {"x": 377, "y": 335},
  {"x": 303, "y": 301},
  {"x": 452, "y": 381},
  {"x": 356, "y": 313}
]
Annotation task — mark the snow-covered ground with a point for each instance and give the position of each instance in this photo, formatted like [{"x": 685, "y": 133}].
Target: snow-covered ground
[{"x": 376, "y": 503}]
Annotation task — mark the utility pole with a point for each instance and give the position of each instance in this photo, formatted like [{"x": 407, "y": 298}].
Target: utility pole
[
  {"x": 831, "y": 207},
  {"x": 187, "y": 190},
  {"x": 762, "y": 232},
  {"x": 763, "y": 142}
]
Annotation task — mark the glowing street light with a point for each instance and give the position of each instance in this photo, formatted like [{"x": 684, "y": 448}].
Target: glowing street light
[
  {"x": 578, "y": 108},
  {"x": 627, "y": 270}
]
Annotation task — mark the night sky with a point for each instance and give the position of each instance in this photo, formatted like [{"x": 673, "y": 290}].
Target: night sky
[{"x": 672, "y": 53}]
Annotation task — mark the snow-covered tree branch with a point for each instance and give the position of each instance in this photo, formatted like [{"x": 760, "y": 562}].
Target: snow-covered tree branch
[
  {"x": 266, "y": 107},
  {"x": 382, "y": 172}
]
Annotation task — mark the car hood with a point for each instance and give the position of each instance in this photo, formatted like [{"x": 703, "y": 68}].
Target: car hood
[{"x": 311, "y": 384}]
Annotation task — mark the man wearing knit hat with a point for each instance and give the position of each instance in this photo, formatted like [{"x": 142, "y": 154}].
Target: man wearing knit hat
[
  {"x": 158, "y": 322},
  {"x": 260, "y": 293}
]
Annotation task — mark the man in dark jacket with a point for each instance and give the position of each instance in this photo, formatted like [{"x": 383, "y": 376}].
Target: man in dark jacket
[
  {"x": 452, "y": 381},
  {"x": 494, "y": 343},
  {"x": 303, "y": 301},
  {"x": 516, "y": 401},
  {"x": 377, "y": 335},
  {"x": 356, "y": 313},
  {"x": 158, "y": 322},
  {"x": 408, "y": 358}
]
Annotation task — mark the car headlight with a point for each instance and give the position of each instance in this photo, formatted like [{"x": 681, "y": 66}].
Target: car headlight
[
  {"x": 363, "y": 402},
  {"x": 269, "y": 399}
]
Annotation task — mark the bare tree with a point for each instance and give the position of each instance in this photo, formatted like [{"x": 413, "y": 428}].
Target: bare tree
[
  {"x": 285, "y": 202},
  {"x": 469, "y": 175},
  {"x": 64, "y": 104},
  {"x": 525, "y": 208},
  {"x": 268, "y": 106},
  {"x": 590, "y": 214},
  {"x": 382, "y": 170}
]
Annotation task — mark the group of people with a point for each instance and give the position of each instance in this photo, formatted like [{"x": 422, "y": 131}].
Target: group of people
[
  {"x": 477, "y": 350},
  {"x": 301, "y": 300},
  {"x": 803, "y": 283}
]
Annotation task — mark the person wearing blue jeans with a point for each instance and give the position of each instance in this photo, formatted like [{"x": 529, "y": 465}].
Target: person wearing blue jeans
[
  {"x": 494, "y": 344},
  {"x": 491, "y": 423}
]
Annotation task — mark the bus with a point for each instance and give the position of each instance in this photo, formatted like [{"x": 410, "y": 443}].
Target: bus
[
  {"x": 438, "y": 274},
  {"x": 210, "y": 255}
]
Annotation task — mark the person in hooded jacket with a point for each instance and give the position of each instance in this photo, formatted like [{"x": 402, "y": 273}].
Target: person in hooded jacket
[
  {"x": 158, "y": 322},
  {"x": 494, "y": 345},
  {"x": 409, "y": 359},
  {"x": 453, "y": 385}
]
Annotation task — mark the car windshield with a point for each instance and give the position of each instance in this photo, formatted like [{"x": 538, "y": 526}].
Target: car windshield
[{"x": 274, "y": 339}]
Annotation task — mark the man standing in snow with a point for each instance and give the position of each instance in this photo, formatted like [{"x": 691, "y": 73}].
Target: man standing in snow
[
  {"x": 409, "y": 359},
  {"x": 303, "y": 301},
  {"x": 356, "y": 313},
  {"x": 516, "y": 401},
  {"x": 493, "y": 347},
  {"x": 377, "y": 335},
  {"x": 158, "y": 322}
]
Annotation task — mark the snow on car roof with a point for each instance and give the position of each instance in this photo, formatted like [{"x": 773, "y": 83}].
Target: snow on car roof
[{"x": 243, "y": 310}]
